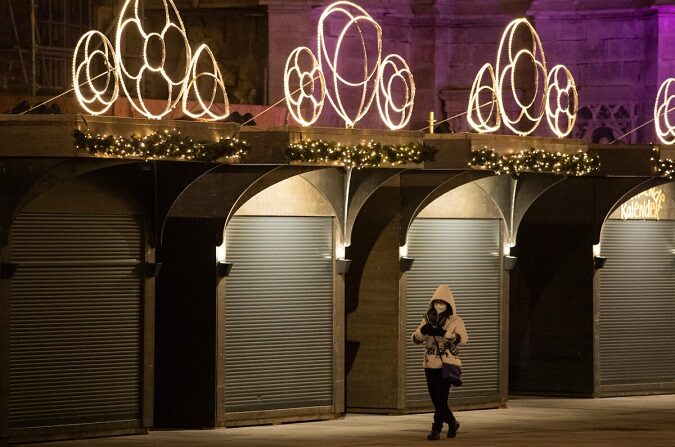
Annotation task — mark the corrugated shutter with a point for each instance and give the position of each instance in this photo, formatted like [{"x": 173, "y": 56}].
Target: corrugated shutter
[
  {"x": 637, "y": 303},
  {"x": 465, "y": 254},
  {"x": 75, "y": 320},
  {"x": 279, "y": 313}
]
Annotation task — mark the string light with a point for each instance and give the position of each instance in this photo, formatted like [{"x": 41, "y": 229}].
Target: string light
[
  {"x": 536, "y": 160},
  {"x": 371, "y": 86},
  {"x": 505, "y": 72},
  {"x": 474, "y": 115},
  {"x": 178, "y": 87},
  {"x": 159, "y": 145},
  {"x": 366, "y": 155},
  {"x": 664, "y": 129},
  {"x": 556, "y": 94},
  {"x": 525, "y": 110},
  {"x": 132, "y": 83},
  {"x": 385, "y": 96},
  {"x": 328, "y": 63},
  {"x": 666, "y": 168},
  {"x": 216, "y": 78},
  {"x": 93, "y": 99},
  {"x": 304, "y": 94}
]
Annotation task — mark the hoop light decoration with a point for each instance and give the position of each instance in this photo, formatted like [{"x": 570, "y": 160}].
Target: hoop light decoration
[
  {"x": 179, "y": 86},
  {"x": 378, "y": 82},
  {"x": 92, "y": 99},
  {"x": 665, "y": 98},
  {"x": 502, "y": 82},
  {"x": 307, "y": 79},
  {"x": 565, "y": 100}
]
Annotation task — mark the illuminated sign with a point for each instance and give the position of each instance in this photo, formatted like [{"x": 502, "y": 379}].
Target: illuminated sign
[{"x": 646, "y": 205}]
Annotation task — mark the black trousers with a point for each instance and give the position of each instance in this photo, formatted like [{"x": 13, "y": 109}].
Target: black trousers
[{"x": 439, "y": 390}]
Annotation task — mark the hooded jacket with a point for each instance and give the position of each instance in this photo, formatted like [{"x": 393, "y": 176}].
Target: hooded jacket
[{"x": 454, "y": 325}]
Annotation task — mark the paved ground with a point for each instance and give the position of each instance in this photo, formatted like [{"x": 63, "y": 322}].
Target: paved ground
[{"x": 617, "y": 422}]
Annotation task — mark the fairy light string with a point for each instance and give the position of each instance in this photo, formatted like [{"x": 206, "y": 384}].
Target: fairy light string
[
  {"x": 358, "y": 156},
  {"x": 166, "y": 144},
  {"x": 535, "y": 160}
]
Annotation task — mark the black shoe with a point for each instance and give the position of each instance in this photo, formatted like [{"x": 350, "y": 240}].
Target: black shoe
[
  {"x": 452, "y": 429},
  {"x": 434, "y": 434}
]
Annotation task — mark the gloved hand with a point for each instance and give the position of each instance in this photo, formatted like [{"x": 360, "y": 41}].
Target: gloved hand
[
  {"x": 438, "y": 331},
  {"x": 427, "y": 329},
  {"x": 458, "y": 338}
]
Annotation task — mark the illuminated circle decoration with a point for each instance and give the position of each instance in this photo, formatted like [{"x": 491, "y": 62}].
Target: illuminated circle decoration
[
  {"x": 665, "y": 98},
  {"x": 365, "y": 88},
  {"x": 95, "y": 100},
  {"x": 385, "y": 95},
  {"x": 475, "y": 115},
  {"x": 130, "y": 21},
  {"x": 178, "y": 86},
  {"x": 506, "y": 74},
  {"x": 334, "y": 83},
  {"x": 307, "y": 81},
  {"x": 217, "y": 91},
  {"x": 503, "y": 77},
  {"x": 565, "y": 100}
]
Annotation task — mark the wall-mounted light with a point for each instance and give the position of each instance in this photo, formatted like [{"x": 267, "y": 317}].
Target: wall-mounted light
[
  {"x": 152, "y": 269},
  {"x": 342, "y": 265},
  {"x": 406, "y": 263},
  {"x": 223, "y": 268},
  {"x": 599, "y": 262},
  {"x": 510, "y": 262},
  {"x": 8, "y": 269}
]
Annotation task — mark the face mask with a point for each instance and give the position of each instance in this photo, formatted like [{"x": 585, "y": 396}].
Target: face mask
[{"x": 440, "y": 307}]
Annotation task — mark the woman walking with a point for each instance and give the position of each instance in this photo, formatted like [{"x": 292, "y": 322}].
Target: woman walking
[{"x": 442, "y": 331}]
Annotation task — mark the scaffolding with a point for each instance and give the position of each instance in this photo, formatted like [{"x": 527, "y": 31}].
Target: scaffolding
[{"x": 44, "y": 34}]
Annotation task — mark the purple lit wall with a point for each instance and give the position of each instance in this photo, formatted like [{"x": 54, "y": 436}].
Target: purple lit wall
[{"x": 619, "y": 52}]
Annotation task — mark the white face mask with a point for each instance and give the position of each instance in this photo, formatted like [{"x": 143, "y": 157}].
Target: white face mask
[{"x": 440, "y": 307}]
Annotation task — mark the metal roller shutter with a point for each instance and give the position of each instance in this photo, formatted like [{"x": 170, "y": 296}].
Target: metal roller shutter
[
  {"x": 279, "y": 313},
  {"x": 465, "y": 254},
  {"x": 637, "y": 303},
  {"x": 75, "y": 320}
]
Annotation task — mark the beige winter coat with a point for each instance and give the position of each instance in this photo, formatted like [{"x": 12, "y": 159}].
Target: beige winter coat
[{"x": 453, "y": 325}]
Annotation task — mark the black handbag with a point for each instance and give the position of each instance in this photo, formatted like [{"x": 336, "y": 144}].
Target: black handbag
[{"x": 452, "y": 374}]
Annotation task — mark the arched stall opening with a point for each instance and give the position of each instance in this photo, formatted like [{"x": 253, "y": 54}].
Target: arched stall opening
[
  {"x": 78, "y": 321},
  {"x": 281, "y": 334},
  {"x": 456, "y": 237},
  {"x": 250, "y": 309},
  {"x": 635, "y": 291},
  {"x": 457, "y": 240}
]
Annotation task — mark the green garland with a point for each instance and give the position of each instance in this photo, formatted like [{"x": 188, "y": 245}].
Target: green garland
[
  {"x": 158, "y": 145},
  {"x": 368, "y": 155},
  {"x": 535, "y": 160},
  {"x": 666, "y": 168}
]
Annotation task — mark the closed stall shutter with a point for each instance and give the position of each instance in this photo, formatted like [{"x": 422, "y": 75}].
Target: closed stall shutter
[
  {"x": 465, "y": 254},
  {"x": 637, "y": 303},
  {"x": 75, "y": 320},
  {"x": 279, "y": 313}
]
